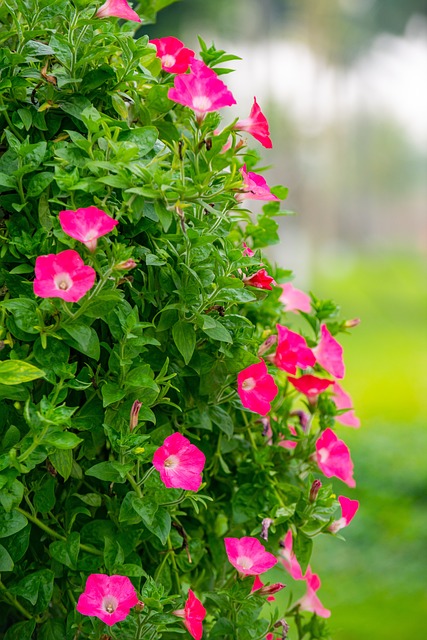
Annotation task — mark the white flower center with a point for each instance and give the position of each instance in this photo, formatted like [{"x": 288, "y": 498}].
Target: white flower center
[
  {"x": 202, "y": 103},
  {"x": 110, "y": 604},
  {"x": 168, "y": 60},
  {"x": 172, "y": 462},
  {"x": 323, "y": 454},
  {"x": 249, "y": 384},
  {"x": 244, "y": 562},
  {"x": 63, "y": 281}
]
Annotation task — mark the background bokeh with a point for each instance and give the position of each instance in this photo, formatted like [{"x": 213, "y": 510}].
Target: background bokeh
[{"x": 343, "y": 83}]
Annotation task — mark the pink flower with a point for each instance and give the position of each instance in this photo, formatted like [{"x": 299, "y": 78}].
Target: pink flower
[
  {"x": 254, "y": 187},
  {"x": 260, "y": 280},
  {"x": 348, "y": 511},
  {"x": 109, "y": 598},
  {"x": 247, "y": 251},
  {"x": 179, "y": 463},
  {"x": 248, "y": 556},
  {"x": 289, "y": 444},
  {"x": 256, "y": 125},
  {"x": 343, "y": 401},
  {"x": 174, "y": 56},
  {"x": 294, "y": 299},
  {"x": 256, "y": 388},
  {"x": 63, "y": 275},
  {"x": 292, "y": 351},
  {"x": 333, "y": 457},
  {"x": 193, "y": 614},
  {"x": 258, "y": 585},
  {"x": 329, "y": 354},
  {"x": 201, "y": 90},
  {"x": 310, "y": 386},
  {"x": 310, "y": 601},
  {"x": 289, "y": 559},
  {"x": 86, "y": 225},
  {"x": 117, "y": 9}
]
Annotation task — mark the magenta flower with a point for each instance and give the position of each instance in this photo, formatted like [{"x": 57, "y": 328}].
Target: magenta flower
[
  {"x": 310, "y": 386},
  {"x": 289, "y": 444},
  {"x": 109, "y": 598},
  {"x": 294, "y": 299},
  {"x": 179, "y": 463},
  {"x": 117, "y": 9},
  {"x": 329, "y": 353},
  {"x": 86, "y": 225},
  {"x": 247, "y": 251},
  {"x": 201, "y": 90},
  {"x": 175, "y": 58},
  {"x": 260, "y": 280},
  {"x": 292, "y": 351},
  {"x": 348, "y": 511},
  {"x": 193, "y": 614},
  {"x": 333, "y": 457},
  {"x": 289, "y": 559},
  {"x": 63, "y": 275},
  {"x": 310, "y": 601},
  {"x": 248, "y": 556},
  {"x": 256, "y": 125},
  {"x": 254, "y": 187},
  {"x": 256, "y": 388},
  {"x": 343, "y": 401},
  {"x": 259, "y": 586}
]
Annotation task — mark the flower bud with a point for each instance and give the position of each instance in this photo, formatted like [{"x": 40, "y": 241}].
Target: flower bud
[
  {"x": 349, "y": 324},
  {"x": 126, "y": 264},
  {"x": 304, "y": 418},
  {"x": 314, "y": 491},
  {"x": 139, "y": 606},
  {"x": 272, "y": 588},
  {"x": 266, "y": 524},
  {"x": 134, "y": 412},
  {"x": 265, "y": 346}
]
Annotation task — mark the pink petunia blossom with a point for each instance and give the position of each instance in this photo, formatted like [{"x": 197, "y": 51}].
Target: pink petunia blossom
[
  {"x": 310, "y": 601},
  {"x": 256, "y": 125},
  {"x": 193, "y": 614},
  {"x": 248, "y": 556},
  {"x": 256, "y": 388},
  {"x": 63, "y": 275},
  {"x": 247, "y": 251},
  {"x": 343, "y": 401},
  {"x": 289, "y": 559},
  {"x": 201, "y": 90},
  {"x": 117, "y": 9},
  {"x": 329, "y": 353},
  {"x": 292, "y": 351},
  {"x": 260, "y": 280},
  {"x": 174, "y": 56},
  {"x": 289, "y": 444},
  {"x": 294, "y": 299},
  {"x": 179, "y": 463},
  {"x": 310, "y": 386},
  {"x": 254, "y": 187},
  {"x": 86, "y": 225},
  {"x": 333, "y": 457},
  {"x": 348, "y": 511},
  {"x": 109, "y": 598},
  {"x": 259, "y": 586}
]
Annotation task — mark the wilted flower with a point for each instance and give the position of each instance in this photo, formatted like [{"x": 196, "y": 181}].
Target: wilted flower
[
  {"x": 294, "y": 299},
  {"x": 87, "y": 225},
  {"x": 348, "y": 511},
  {"x": 179, "y": 463},
  {"x": 63, "y": 275},
  {"x": 329, "y": 353},
  {"x": 333, "y": 457},
  {"x": 254, "y": 187},
  {"x": 117, "y": 9},
  {"x": 256, "y": 388},
  {"x": 256, "y": 125},
  {"x": 174, "y": 56},
  {"x": 109, "y": 598},
  {"x": 193, "y": 615},
  {"x": 248, "y": 556}
]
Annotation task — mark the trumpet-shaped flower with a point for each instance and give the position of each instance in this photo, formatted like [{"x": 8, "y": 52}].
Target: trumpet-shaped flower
[
  {"x": 310, "y": 386},
  {"x": 256, "y": 388},
  {"x": 109, "y": 598},
  {"x": 63, "y": 275},
  {"x": 256, "y": 125},
  {"x": 260, "y": 280},
  {"x": 289, "y": 559},
  {"x": 179, "y": 463},
  {"x": 254, "y": 187},
  {"x": 117, "y": 9},
  {"x": 174, "y": 56},
  {"x": 292, "y": 351},
  {"x": 310, "y": 601},
  {"x": 343, "y": 401},
  {"x": 329, "y": 353},
  {"x": 294, "y": 299},
  {"x": 86, "y": 225},
  {"x": 333, "y": 457},
  {"x": 193, "y": 614},
  {"x": 348, "y": 511},
  {"x": 248, "y": 556}
]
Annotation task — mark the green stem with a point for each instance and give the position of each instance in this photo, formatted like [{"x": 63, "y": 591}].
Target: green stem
[
  {"x": 134, "y": 485},
  {"x": 146, "y": 475},
  {"x": 174, "y": 567},
  {"x": 36, "y": 442},
  {"x": 14, "y": 602}
]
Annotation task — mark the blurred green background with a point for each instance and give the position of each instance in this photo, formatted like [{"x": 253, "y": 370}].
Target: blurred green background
[{"x": 343, "y": 83}]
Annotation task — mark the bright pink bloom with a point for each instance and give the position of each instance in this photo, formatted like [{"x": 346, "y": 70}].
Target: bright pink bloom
[
  {"x": 86, "y": 225},
  {"x": 63, "y": 275},
  {"x": 174, "y": 56},
  {"x": 260, "y": 280},
  {"x": 333, "y": 457},
  {"x": 248, "y": 556},
  {"x": 294, "y": 299},
  {"x": 117, "y": 9},
  {"x": 256, "y": 125},
  {"x": 194, "y": 613},
  {"x": 266, "y": 591},
  {"x": 348, "y": 511},
  {"x": 289, "y": 444},
  {"x": 329, "y": 354},
  {"x": 247, "y": 251},
  {"x": 292, "y": 351},
  {"x": 310, "y": 386},
  {"x": 254, "y": 187},
  {"x": 179, "y": 463},
  {"x": 310, "y": 601},
  {"x": 343, "y": 401},
  {"x": 289, "y": 559},
  {"x": 201, "y": 90},
  {"x": 109, "y": 598},
  {"x": 256, "y": 388}
]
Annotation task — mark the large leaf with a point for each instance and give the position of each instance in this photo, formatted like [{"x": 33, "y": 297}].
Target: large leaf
[
  {"x": 17, "y": 371},
  {"x": 11, "y": 522},
  {"x": 185, "y": 339}
]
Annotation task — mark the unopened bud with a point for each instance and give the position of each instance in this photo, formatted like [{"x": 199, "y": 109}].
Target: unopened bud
[
  {"x": 134, "y": 412},
  {"x": 265, "y": 346},
  {"x": 126, "y": 264},
  {"x": 139, "y": 606},
  {"x": 272, "y": 588},
  {"x": 285, "y": 627},
  {"x": 314, "y": 491},
  {"x": 349, "y": 324},
  {"x": 304, "y": 418},
  {"x": 266, "y": 524}
]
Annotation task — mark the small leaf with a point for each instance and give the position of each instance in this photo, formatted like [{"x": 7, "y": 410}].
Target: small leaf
[
  {"x": 6, "y": 562},
  {"x": 11, "y": 523},
  {"x": 62, "y": 461},
  {"x": 62, "y": 439}
]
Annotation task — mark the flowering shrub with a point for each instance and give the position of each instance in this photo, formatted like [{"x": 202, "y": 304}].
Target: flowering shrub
[{"x": 165, "y": 419}]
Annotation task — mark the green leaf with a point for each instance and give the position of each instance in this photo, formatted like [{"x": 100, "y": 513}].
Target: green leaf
[
  {"x": 222, "y": 419},
  {"x": 146, "y": 509},
  {"x": 66, "y": 552},
  {"x": 109, "y": 471},
  {"x": 17, "y": 371},
  {"x": 62, "y": 461},
  {"x": 92, "y": 499},
  {"x": 11, "y": 495},
  {"x": 84, "y": 339},
  {"x": 52, "y": 629},
  {"x": 104, "y": 302},
  {"x": 62, "y": 439},
  {"x": 280, "y": 192},
  {"x": 39, "y": 182},
  {"x": 97, "y": 77},
  {"x": 111, "y": 393},
  {"x": 44, "y": 498},
  {"x": 161, "y": 525},
  {"x": 302, "y": 547},
  {"x": 21, "y": 631},
  {"x": 6, "y": 562},
  {"x": 11, "y": 523},
  {"x": 215, "y": 330},
  {"x": 185, "y": 339},
  {"x": 36, "y": 588},
  {"x": 143, "y": 137},
  {"x": 24, "y": 313}
]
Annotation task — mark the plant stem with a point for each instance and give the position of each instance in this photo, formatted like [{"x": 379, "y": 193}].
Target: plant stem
[{"x": 14, "y": 602}]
